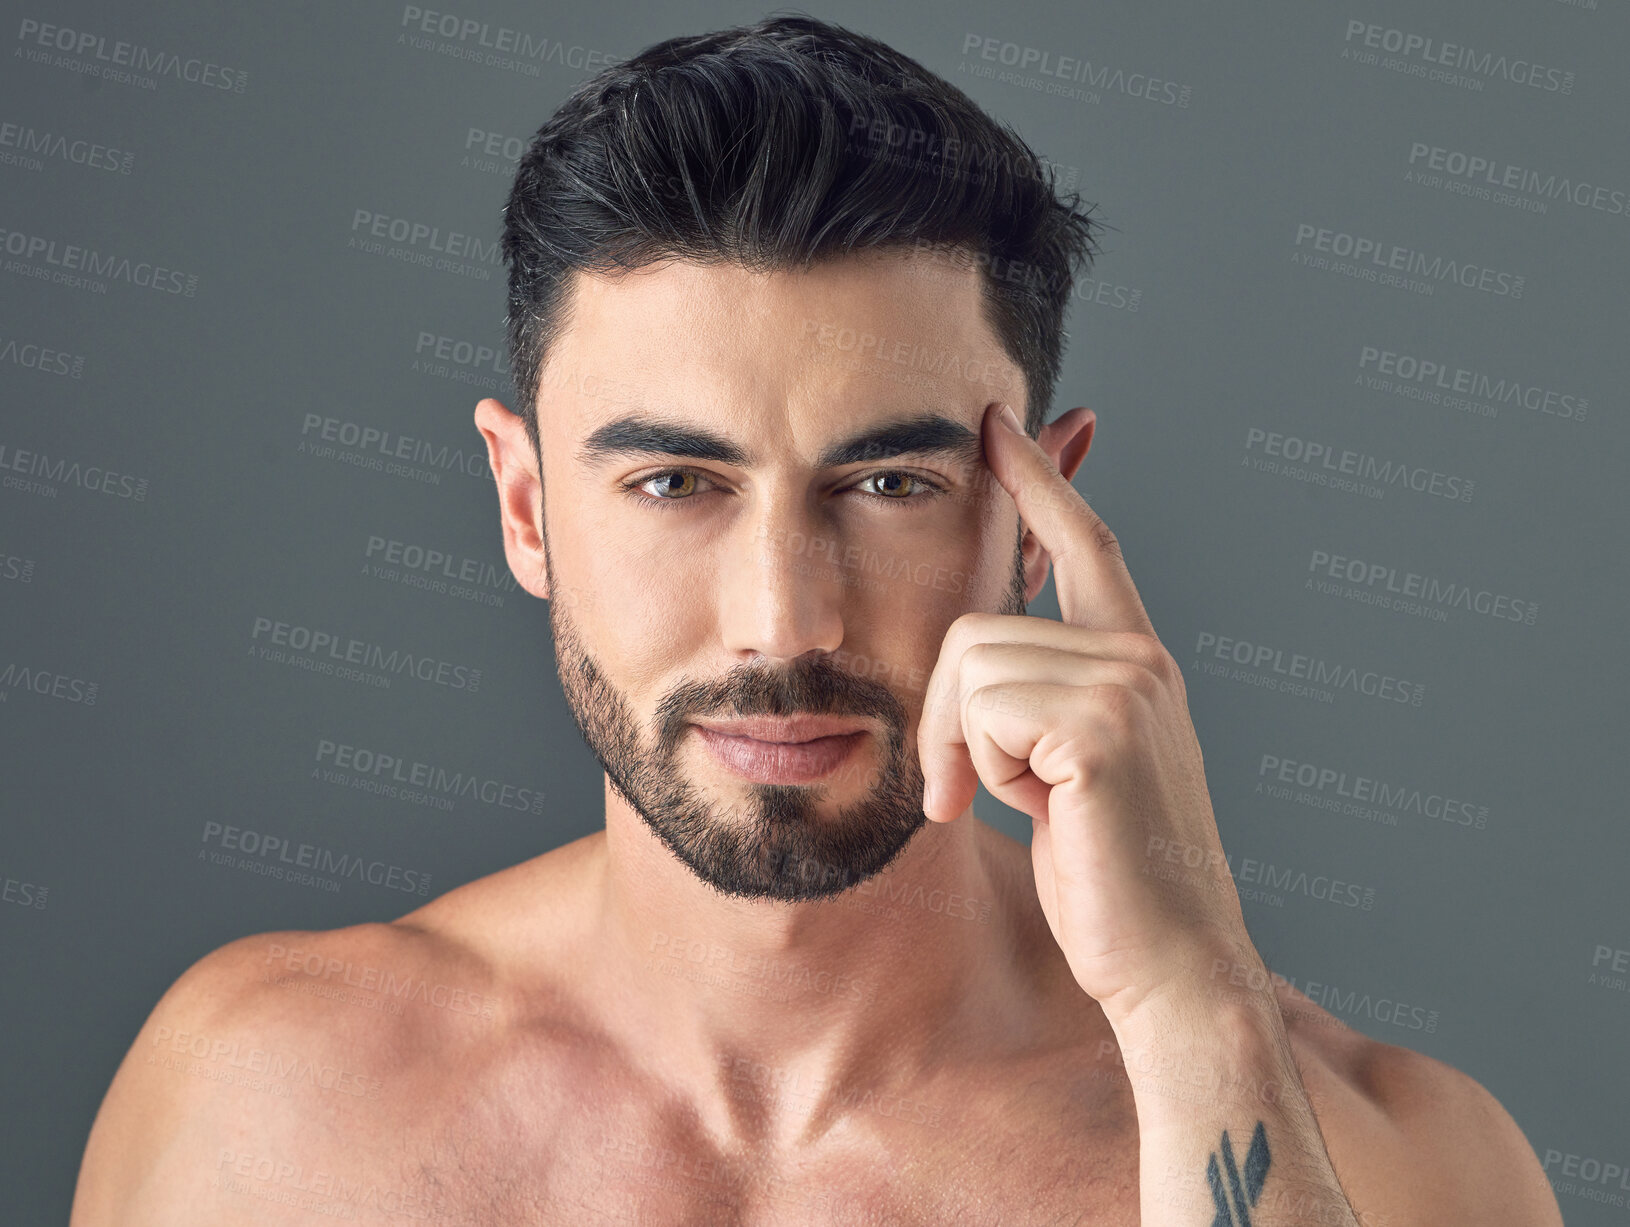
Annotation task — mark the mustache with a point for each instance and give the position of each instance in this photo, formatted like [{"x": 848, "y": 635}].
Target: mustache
[{"x": 811, "y": 686}]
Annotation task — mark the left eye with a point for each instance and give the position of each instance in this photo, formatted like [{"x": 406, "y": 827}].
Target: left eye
[{"x": 899, "y": 487}]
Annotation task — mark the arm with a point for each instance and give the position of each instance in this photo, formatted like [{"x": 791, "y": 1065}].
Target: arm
[
  {"x": 1227, "y": 1135},
  {"x": 1434, "y": 1149},
  {"x": 1467, "y": 1159},
  {"x": 146, "y": 1159},
  {"x": 1083, "y": 724}
]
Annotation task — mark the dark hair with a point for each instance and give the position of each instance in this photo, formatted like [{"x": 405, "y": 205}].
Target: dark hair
[{"x": 774, "y": 145}]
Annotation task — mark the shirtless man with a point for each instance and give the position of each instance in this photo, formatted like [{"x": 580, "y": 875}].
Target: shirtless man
[{"x": 786, "y": 557}]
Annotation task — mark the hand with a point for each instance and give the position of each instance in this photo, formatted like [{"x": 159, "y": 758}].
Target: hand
[{"x": 1083, "y": 724}]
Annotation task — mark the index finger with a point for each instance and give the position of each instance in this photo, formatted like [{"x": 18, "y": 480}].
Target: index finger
[{"x": 1095, "y": 589}]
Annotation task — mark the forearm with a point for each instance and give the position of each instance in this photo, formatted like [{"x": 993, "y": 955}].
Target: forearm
[{"x": 1227, "y": 1135}]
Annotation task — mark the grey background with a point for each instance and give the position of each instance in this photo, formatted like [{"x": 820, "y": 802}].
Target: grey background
[{"x": 1199, "y": 326}]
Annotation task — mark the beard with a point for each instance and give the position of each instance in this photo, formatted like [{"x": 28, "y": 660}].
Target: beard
[{"x": 775, "y": 844}]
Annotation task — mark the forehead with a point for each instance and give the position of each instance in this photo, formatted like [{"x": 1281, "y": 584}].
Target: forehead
[{"x": 881, "y": 333}]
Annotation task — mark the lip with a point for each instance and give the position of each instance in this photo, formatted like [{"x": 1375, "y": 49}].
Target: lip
[
  {"x": 785, "y": 730},
  {"x": 780, "y": 762}
]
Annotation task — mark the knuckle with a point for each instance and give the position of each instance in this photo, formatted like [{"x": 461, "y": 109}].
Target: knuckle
[
  {"x": 981, "y": 659},
  {"x": 1150, "y": 655},
  {"x": 972, "y": 625},
  {"x": 975, "y": 699},
  {"x": 1089, "y": 759},
  {"x": 1116, "y": 702}
]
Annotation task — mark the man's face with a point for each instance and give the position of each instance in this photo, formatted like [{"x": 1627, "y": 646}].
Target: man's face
[{"x": 732, "y": 531}]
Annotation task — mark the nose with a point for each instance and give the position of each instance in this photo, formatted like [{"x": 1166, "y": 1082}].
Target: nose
[{"x": 784, "y": 592}]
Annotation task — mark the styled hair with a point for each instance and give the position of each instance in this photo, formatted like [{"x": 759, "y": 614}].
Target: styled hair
[{"x": 771, "y": 146}]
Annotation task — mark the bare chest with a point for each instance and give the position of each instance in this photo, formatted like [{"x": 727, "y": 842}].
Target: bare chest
[
  {"x": 987, "y": 1164},
  {"x": 1020, "y": 1158}
]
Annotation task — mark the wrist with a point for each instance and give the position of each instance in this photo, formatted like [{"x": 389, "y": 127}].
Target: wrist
[
  {"x": 1207, "y": 991},
  {"x": 1182, "y": 1051}
]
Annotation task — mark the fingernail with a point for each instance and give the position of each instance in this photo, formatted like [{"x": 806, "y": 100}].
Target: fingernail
[{"x": 1010, "y": 420}]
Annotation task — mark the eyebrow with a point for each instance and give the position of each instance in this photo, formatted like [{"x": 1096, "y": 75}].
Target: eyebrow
[{"x": 928, "y": 434}]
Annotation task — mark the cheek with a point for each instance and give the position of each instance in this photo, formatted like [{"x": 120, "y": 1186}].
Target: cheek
[
  {"x": 643, "y": 615},
  {"x": 650, "y": 636}
]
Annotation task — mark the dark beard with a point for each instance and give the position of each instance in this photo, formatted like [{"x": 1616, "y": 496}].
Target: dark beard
[{"x": 775, "y": 845}]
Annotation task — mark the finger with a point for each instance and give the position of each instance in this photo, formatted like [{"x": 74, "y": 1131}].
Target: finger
[
  {"x": 982, "y": 665},
  {"x": 950, "y": 782},
  {"x": 1007, "y": 725},
  {"x": 983, "y": 648},
  {"x": 990, "y": 663},
  {"x": 1095, "y": 588}
]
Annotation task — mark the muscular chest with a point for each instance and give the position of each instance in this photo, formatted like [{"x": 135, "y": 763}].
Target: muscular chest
[
  {"x": 992, "y": 1162},
  {"x": 1053, "y": 1151},
  {"x": 661, "y": 1186}
]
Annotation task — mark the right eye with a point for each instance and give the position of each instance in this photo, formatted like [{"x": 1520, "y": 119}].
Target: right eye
[{"x": 664, "y": 480}]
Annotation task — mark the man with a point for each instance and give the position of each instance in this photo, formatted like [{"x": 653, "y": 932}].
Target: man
[{"x": 767, "y": 478}]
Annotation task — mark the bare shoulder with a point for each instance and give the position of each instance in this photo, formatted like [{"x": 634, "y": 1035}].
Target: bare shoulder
[
  {"x": 236, "y": 1051},
  {"x": 1414, "y": 1140},
  {"x": 273, "y": 1042}
]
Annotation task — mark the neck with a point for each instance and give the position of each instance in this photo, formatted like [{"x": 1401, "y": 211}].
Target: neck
[{"x": 776, "y": 1012}]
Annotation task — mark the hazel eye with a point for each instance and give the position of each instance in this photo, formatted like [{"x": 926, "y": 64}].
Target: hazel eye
[
  {"x": 675, "y": 484},
  {"x": 897, "y": 486}
]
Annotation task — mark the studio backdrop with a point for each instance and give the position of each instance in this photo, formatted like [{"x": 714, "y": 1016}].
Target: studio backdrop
[{"x": 1357, "y": 344}]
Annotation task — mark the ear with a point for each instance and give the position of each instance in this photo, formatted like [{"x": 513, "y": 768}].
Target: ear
[
  {"x": 520, "y": 501},
  {"x": 1065, "y": 439}
]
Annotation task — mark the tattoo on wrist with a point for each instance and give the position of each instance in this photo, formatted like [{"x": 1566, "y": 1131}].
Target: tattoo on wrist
[{"x": 1234, "y": 1198}]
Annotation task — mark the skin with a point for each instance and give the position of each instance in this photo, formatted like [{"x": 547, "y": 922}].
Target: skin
[{"x": 951, "y": 984}]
